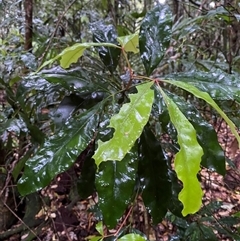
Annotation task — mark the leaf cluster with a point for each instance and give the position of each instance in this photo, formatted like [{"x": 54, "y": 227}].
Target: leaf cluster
[{"x": 58, "y": 113}]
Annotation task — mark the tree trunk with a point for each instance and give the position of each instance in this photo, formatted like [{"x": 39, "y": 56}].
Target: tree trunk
[{"x": 28, "y": 7}]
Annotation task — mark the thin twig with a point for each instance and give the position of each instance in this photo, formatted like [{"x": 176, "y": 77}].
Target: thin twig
[
  {"x": 55, "y": 31},
  {"x": 23, "y": 223},
  {"x": 124, "y": 221}
]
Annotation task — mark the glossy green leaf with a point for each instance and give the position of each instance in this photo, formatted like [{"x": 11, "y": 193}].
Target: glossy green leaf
[
  {"x": 86, "y": 181},
  {"x": 129, "y": 42},
  {"x": 31, "y": 83},
  {"x": 82, "y": 81},
  {"x": 59, "y": 152},
  {"x": 230, "y": 221},
  {"x": 13, "y": 125},
  {"x": 175, "y": 206},
  {"x": 95, "y": 238},
  {"x": 128, "y": 125},
  {"x": 115, "y": 184},
  {"x": 99, "y": 227},
  {"x": 213, "y": 158},
  {"x": 122, "y": 30},
  {"x": 206, "y": 97},
  {"x": 201, "y": 232},
  {"x": 219, "y": 11},
  {"x": 138, "y": 15},
  {"x": 29, "y": 61},
  {"x": 186, "y": 164},
  {"x": 153, "y": 176},
  {"x": 154, "y": 36},
  {"x": 105, "y": 133},
  {"x": 21, "y": 163},
  {"x": 103, "y": 33},
  {"x": 208, "y": 209},
  {"x": 35, "y": 92},
  {"x": 36, "y": 134},
  {"x": 14, "y": 81},
  {"x": 65, "y": 109},
  {"x": 71, "y": 54},
  {"x": 217, "y": 83},
  {"x": 132, "y": 237}
]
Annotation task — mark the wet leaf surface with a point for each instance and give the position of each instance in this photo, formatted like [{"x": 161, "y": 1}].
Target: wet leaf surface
[
  {"x": 175, "y": 206},
  {"x": 59, "y": 152},
  {"x": 128, "y": 125},
  {"x": 206, "y": 97},
  {"x": 106, "y": 33},
  {"x": 186, "y": 164},
  {"x": 115, "y": 184},
  {"x": 219, "y": 84},
  {"x": 81, "y": 81},
  {"x": 86, "y": 182},
  {"x": 154, "y": 36},
  {"x": 213, "y": 157},
  {"x": 129, "y": 43},
  {"x": 132, "y": 237},
  {"x": 153, "y": 176}
]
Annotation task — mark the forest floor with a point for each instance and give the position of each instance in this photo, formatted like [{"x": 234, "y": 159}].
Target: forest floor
[{"x": 65, "y": 218}]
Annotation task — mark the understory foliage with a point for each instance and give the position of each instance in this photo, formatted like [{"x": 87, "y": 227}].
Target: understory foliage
[{"x": 88, "y": 102}]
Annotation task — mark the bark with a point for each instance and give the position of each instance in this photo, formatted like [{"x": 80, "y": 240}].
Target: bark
[{"x": 28, "y": 7}]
